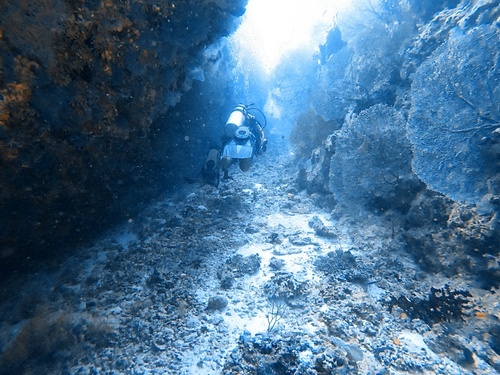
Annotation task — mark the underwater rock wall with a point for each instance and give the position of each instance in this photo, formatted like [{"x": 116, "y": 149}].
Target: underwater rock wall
[
  {"x": 411, "y": 48},
  {"x": 433, "y": 167},
  {"x": 86, "y": 88}
]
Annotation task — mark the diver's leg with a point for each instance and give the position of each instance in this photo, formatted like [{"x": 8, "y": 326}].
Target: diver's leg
[
  {"x": 225, "y": 163},
  {"x": 260, "y": 140},
  {"x": 245, "y": 164}
]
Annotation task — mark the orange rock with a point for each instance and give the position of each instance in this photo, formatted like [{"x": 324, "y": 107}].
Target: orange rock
[{"x": 481, "y": 315}]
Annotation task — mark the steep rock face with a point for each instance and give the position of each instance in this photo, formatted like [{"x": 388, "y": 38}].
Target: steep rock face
[
  {"x": 85, "y": 91},
  {"x": 408, "y": 48},
  {"x": 441, "y": 78}
]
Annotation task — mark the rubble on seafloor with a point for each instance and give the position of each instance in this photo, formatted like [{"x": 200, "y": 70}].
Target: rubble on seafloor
[{"x": 239, "y": 280}]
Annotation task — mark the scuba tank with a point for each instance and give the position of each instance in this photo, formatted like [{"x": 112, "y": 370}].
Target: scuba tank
[{"x": 238, "y": 116}]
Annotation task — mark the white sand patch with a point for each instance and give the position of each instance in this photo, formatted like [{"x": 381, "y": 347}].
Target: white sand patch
[
  {"x": 296, "y": 221},
  {"x": 255, "y": 323},
  {"x": 251, "y": 249}
]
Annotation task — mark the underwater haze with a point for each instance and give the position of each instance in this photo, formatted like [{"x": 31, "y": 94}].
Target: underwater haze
[{"x": 249, "y": 187}]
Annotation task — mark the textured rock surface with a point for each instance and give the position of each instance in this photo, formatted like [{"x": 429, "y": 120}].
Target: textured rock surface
[
  {"x": 455, "y": 114},
  {"x": 418, "y": 115},
  {"x": 86, "y": 89},
  {"x": 420, "y": 68}
]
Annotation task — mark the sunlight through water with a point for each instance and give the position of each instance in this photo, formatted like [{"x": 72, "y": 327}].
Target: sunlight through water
[{"x": 271, "y": 28}]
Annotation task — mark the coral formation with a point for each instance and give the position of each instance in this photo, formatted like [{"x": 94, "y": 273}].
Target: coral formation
[
  {"x": 371, "y": 163},
  {"x": 454, "y": 115},
  {"x": 285, "y": 287},
  {"x": 341, "y": 265},
  {"x": 442, "y": 305},
  {"x": 269, "y": 355},
  {"x": 452, "y": 238}
]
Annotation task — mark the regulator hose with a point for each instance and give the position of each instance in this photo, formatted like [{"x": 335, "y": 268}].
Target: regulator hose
[{"x": 251, "y": 107}]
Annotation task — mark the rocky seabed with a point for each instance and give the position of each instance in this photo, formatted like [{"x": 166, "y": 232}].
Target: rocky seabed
[{"x": 248, "y": 278}]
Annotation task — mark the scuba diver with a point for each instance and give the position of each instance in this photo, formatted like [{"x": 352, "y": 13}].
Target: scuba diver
[{"x": 243, "y": 139}]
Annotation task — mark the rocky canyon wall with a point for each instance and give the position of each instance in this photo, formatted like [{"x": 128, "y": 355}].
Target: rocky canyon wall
[
  {"x": 87, "y": 126},
  {"x": 415, "y": 87}
]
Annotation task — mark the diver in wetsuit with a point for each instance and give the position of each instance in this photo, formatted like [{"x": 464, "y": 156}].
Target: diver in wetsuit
[{"x": 243, "y": 138}]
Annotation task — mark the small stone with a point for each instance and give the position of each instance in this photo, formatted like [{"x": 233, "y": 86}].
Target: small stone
[
  {"x": 226, "y": 280},
  {"x": 159, "y": 347},
  {"x": 274, "y": 238},
  {"x": 286, "y": 250},
  {"x": 251, "y": 229},
  {"x": 320, "y": 229},
  {"x": 299, "y": 241},
  {"x": 217, "y": 319},
  {"x": 276, "y": 264},
  {"x": 193, "y": 322},
  {"x": 217, "y": 303}
]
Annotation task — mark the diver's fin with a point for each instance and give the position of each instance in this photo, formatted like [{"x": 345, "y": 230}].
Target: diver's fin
[{"x": 210, "y": 171}]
